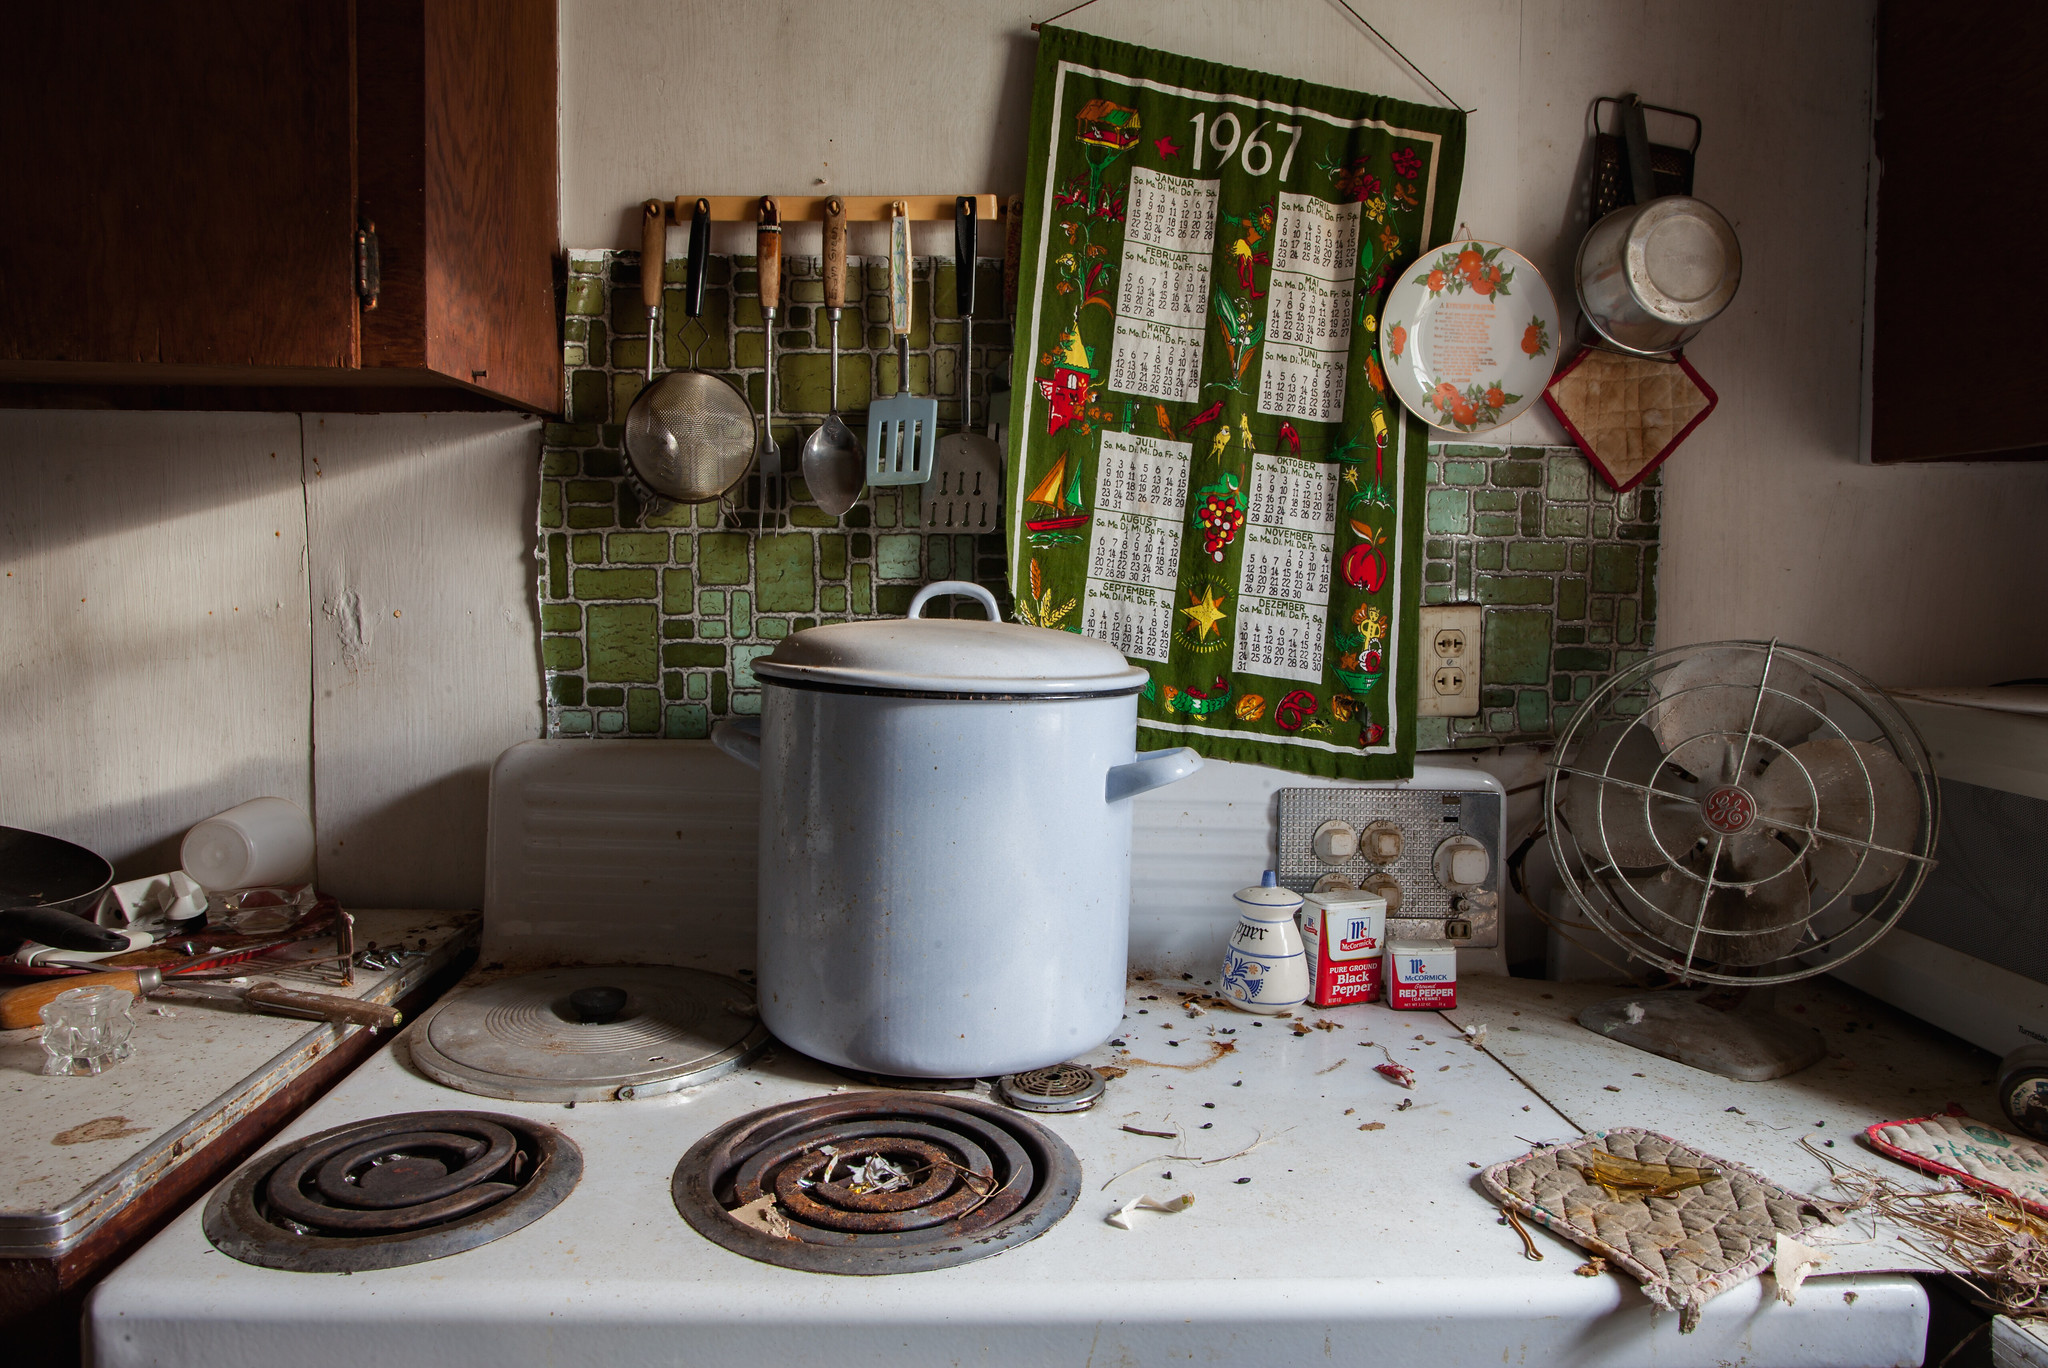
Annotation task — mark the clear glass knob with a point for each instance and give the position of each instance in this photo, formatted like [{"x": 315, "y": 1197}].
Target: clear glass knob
[{"x": 86, "y": 1029}]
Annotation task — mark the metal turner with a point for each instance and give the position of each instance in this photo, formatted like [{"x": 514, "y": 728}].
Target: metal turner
[
  {"x": 903, "y": 430},
  {"x": 966, "y": 492}
]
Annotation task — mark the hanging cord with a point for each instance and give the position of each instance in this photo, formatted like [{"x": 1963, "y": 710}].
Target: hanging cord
[
  {"x": 1061, "y": 15},
  {"x": 1441, "y": 92},
  {"x": 1514, "y": 870}
]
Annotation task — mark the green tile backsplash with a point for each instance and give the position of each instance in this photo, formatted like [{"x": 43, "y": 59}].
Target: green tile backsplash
[
  {"x": 652, "y": 615},
  {"x": 1565, "y": 568}
]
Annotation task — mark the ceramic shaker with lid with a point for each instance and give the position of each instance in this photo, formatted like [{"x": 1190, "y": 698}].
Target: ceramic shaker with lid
[{"x": 1265, "y": 970}]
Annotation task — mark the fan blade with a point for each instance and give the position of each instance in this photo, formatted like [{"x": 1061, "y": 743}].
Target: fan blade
[
  {"x": 1712, "y": 695},
  {"x": 1661, "y": 905},
  {"x": 1831, "y": 776},
  {"x": 1740, "y": 927},
  {"x": 1609, "y": 820},
  {"x": 1774, "y": 909}
]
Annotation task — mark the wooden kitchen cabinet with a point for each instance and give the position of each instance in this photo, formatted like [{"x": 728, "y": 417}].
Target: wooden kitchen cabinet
[
  {"x": 1956, "y": 354},
  {"x": 187, "y": 181}
]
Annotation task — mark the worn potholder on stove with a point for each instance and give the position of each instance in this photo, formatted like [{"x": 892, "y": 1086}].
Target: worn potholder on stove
[
  {"x": 1974, "y": 1152},
  {"x": 1685, "y": 1248}
]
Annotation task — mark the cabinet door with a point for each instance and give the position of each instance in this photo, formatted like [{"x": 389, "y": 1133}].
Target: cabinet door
[
  {"x": 1956, "y": 351},
  {"x": 181, "y": 184}
]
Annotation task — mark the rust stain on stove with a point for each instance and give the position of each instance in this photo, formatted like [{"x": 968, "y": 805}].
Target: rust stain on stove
[{"x": 99, "y": 1128}]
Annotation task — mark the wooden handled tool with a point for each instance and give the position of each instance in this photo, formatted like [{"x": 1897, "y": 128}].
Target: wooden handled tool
[
  {"x": 653, "y": 265},
  {"x": 22, "y": 1007},
  {"x": 835, "y": 257}
]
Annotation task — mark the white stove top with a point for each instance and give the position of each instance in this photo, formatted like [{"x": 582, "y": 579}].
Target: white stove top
[{"x": 1327, "y": 1241}]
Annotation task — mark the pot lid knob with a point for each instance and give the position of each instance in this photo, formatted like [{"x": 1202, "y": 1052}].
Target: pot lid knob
[{"x": 598, "y": 1005}]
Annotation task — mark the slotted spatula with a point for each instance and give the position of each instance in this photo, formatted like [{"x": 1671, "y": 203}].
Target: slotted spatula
[
  {"x": 965, "y": 493},
  {"x": 903, "y": 431}
]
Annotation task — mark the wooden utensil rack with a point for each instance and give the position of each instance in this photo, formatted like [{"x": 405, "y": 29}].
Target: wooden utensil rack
[{"x": 811, "y": 208}]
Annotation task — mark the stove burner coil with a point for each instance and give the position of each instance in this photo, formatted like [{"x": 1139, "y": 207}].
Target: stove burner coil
[
  {"x": 878, "y": 1182},
  {"x": 1061, "y": 1088},
  {"x": 396, "y": 1190}
]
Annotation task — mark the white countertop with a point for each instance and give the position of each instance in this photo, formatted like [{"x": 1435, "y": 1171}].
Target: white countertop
[
  {"x": 1348, "y": 1244},
  {"x": 78, "y": 1148}
]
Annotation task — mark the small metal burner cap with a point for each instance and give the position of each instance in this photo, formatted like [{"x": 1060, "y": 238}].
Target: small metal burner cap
[
  {"x": 1061, "y": 1088},
  {"x": 597, "y": 1005}
]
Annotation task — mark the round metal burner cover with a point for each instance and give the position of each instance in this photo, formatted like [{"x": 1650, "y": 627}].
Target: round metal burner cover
[
  {"x": 525, "y": 1039},
  {"x": 1061, "y": 1088}
]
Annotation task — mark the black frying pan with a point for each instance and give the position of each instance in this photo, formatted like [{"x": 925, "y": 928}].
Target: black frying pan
[{"x": 40, "y": 875}]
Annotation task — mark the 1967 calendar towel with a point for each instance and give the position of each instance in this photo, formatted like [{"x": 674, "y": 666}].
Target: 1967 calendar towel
[{"x": 1207, "y": 470}]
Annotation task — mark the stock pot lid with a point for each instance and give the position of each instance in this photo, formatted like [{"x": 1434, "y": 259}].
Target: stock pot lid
[{"x": 949, "y": 655}]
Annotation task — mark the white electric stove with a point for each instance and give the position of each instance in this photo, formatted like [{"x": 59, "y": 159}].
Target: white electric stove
[{"x": 1328, "y": 1221}]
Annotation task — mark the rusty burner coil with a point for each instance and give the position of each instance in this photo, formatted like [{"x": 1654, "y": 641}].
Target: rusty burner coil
[
  {"x": 392, "y": 1191},
  {"x": 976, "y": 1180}
]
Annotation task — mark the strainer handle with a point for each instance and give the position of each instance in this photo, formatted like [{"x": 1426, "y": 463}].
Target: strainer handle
[
  {"x": 960, "y": 587},
  {"x": 700, "y": 256}
]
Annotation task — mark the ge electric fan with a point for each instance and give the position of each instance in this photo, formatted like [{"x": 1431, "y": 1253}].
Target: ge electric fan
[{"x": 1739, "y": 814}]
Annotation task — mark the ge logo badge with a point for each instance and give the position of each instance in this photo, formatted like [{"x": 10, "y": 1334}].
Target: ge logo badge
[{"x": 1728, "y": 810}]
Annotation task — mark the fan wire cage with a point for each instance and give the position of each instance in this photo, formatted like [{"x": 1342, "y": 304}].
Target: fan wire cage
[{"x": 1741, "y": 812}]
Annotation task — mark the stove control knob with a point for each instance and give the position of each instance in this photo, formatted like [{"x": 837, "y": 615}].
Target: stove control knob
[
  {"x": 1336, "y": 842},
  {"x": 1381, "y": 842},
  {"x": 1334, "y": 883},
  {"x": 597, "y": 1006},
  {"x": 1462, "y": 863},
  {"x": 1387, "y": 887}
]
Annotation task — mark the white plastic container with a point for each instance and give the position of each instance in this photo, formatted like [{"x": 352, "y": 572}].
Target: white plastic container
[
  {"x": 945, "y": 876},
  {"x": 262, "y": 842},
  {"x": 1264, "y": 970}
]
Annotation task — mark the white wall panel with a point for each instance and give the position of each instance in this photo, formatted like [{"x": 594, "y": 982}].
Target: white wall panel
[
  {"x": 426, "y": 656},
  {"x": 1770, "y": 526},
  {"x": 154, "y": 655}
]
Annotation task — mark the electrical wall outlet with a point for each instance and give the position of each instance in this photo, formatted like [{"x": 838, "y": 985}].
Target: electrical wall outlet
[{"x": 1449, "y": 662}]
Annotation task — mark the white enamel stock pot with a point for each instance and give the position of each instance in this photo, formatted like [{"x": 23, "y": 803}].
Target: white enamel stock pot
[{"x": 946, "y": 840}]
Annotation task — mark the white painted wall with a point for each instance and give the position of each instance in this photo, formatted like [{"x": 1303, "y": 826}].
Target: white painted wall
[
  {"x": 1771, "y": 526},
  {"x": 198, "y": 609},
  {"x": 426, "y": 654},
  {"x": 154, "y": 656},
  {"x": 128, "y": 715}
]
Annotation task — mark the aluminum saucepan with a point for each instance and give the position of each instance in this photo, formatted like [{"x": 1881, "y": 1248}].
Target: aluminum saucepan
[{"x": 1651, "y": 275}]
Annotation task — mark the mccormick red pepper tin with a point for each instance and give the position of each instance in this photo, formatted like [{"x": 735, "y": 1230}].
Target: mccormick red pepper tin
[
  {"x": 1422, "y": 974},
  {"x": 1344, "y": 933}
]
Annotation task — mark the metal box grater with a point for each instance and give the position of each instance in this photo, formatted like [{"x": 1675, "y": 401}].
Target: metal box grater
[{"x": 1426, "y": 818}]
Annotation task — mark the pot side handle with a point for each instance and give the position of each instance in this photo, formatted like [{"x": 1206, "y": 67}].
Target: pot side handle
[
  {"x": 939, "y": 588},
  {"x": 740, "y": 740},
  {"x": 1150, "y": 772}
]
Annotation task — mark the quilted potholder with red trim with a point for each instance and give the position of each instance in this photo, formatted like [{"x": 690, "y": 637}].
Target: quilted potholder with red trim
[{"x": 1974, "y": 1152}]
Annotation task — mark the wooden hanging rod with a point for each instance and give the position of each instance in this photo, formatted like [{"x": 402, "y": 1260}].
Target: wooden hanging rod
[{"x": 811, "y": 208}]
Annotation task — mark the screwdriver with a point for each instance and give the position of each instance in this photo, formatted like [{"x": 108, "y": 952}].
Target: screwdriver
[{"x": 21, "y": 1007}]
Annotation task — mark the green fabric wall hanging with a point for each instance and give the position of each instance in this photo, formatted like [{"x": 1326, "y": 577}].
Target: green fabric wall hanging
[{"x": 1206, "y": 468}]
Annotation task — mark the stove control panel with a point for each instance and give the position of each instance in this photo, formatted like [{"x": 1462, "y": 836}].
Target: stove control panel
[{"x": 1434, "y": 854}]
